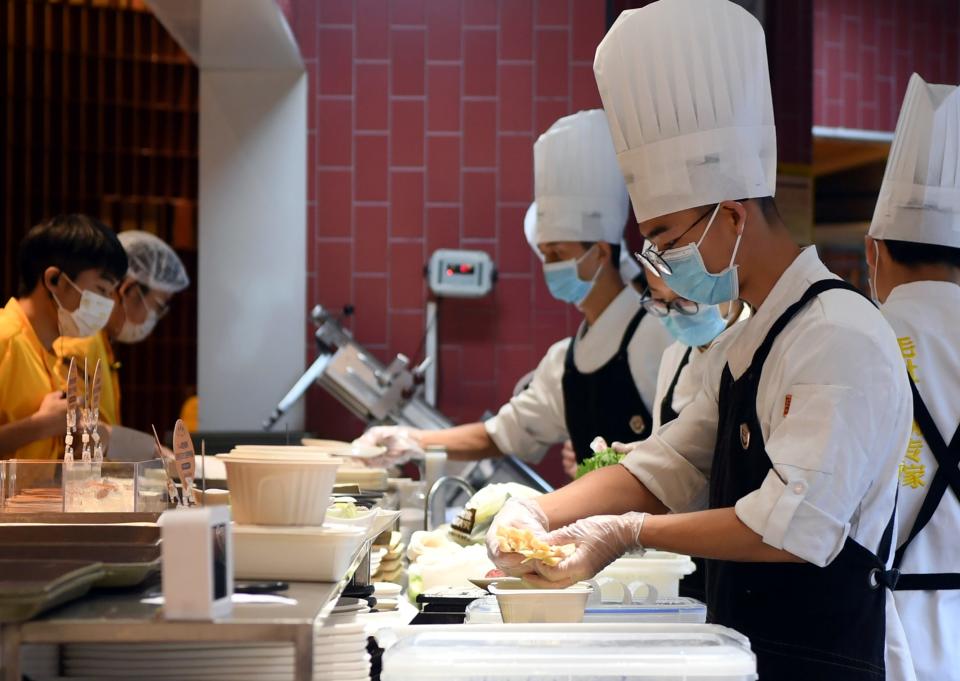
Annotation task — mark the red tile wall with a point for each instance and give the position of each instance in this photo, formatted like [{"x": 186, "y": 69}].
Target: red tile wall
[
  {"x": 422, "y": 121},
  {"x": 865, "y": 51}
]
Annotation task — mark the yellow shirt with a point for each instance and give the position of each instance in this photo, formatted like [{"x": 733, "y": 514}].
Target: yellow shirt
[
  {"x": 27, "y": 373},
  {"x": 97, "y": 347}
]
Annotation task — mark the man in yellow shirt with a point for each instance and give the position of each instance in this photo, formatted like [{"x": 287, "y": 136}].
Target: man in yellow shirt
[
  {"x": 154, "y": 276},
  {"x": 69, "y": 268}
]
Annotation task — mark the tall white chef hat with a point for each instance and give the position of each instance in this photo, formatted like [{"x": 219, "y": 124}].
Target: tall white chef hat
[
  {"x": 686, "y": 90},
  {"x": 579, "y": 191},
  {"x": 629, "y": 268},
  {"x": 920, "y": 194}
]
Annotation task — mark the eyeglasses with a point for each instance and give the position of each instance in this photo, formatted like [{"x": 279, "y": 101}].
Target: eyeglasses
[
  {"x": 654, "y": 258},
  {"x": 661, "y": 308}
]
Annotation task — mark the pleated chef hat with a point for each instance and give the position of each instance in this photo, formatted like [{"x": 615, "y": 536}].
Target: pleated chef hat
[
  {"x": 686, "y": 90},
  {"x": 920, "y": 194},
  {"x": 579, "y": 191},
  {"x": 629, "y": 269}
]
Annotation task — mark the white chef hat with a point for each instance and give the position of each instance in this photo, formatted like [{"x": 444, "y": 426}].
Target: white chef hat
[
  {"x": 629, "y": 269},
  {"x": 153, "y": 263},
  {"x": 686, "y": 90},
  {"x": 920, "y": 194},
  {"x": 579, "y": 191}
]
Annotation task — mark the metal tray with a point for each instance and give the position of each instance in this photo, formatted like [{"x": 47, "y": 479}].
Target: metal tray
[
  {"x": 124, "y": 565},
  {"x": 29, "y": 587},
  {"x": 94, "y": 518},
  {"x": 51, "y": 533}
]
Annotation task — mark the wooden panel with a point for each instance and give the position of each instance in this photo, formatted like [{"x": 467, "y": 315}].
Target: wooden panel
[{"x": 99, "y": 116}]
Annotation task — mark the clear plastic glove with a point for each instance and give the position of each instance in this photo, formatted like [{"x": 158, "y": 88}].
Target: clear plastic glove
[
  {"x": 569, "y": 459},
  {"x": 621, "y": 448},
  {"x": 525, "y": 514},
  {"x": 600, "y": 540},
  {"x": 402, "y": 444}
]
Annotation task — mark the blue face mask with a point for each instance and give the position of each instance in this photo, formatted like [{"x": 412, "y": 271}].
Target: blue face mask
[
  {"x": 690, "y": 278},
  {"x": 564, "y": 282},
  {"x": 697, "y": 329}
]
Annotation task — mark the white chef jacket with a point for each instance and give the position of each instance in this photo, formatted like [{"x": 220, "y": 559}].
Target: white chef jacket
[
  {"x": 835, "y": 410},
  {"x": 535, "y": 419},
  {"x": 689, "y": 383},
  {"x": 924, "y": 317}
]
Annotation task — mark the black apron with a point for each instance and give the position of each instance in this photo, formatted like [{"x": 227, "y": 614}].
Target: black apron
[
  {"x": 947, "y": 475},
  {"x": 694, "y": 585},
  {"x": 605, "y": 402},
  {"x": 804, "y": 622},
  {"x": 667, "y": 412}
]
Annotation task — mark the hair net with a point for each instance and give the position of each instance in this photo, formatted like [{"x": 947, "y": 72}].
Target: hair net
[{"x": 153, "y": 262}]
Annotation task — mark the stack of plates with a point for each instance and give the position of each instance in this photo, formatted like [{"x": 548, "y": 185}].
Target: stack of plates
[
  {"x": 387, "y": 595},
  {"x": 339, "y": 655},
  {"x": 388, "y": 567}
]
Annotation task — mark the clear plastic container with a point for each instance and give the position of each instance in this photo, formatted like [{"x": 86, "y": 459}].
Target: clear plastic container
[
  {"x": 82, "y": 487},
  {"x": 658, "y": 569},
  {"x": 598, "y": 652}
]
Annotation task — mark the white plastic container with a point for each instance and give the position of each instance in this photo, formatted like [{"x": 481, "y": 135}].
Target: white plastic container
[
  {"x": 597, "y": 652},
  {"x": 659, "y": 569},
  {"x": 280, "y": 491},
  {"x": 669, "y": 610},
  {"x": 309, "y": 554},
  {"x": 519, "y": 604}
]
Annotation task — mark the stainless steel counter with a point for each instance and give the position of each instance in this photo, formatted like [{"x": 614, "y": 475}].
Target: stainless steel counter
[{"x": 111, "y": 617}]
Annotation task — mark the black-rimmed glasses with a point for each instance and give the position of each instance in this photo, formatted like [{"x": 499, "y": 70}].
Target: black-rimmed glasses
[{"x": 654, "y": 258}]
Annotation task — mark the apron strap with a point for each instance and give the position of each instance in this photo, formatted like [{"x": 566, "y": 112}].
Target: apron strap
[
  {"x": 631, "y": 330},
  {"x": 666, "y": 404},
  {"x": 948, "y": 474},
  {"x": 815, "y": 289}
]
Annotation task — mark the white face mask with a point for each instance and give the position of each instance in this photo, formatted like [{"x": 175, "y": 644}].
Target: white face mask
[
  {"x": 90, "y": 316},
  {"x": 134, "y": 333},
  {"x": 873, "y": 279}
]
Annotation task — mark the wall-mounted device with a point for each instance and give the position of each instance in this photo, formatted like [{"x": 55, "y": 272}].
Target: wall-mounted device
[{"x": 455, "y": 273}]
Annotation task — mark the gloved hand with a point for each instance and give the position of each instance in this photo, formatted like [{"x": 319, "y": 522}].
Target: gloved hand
[
  {"x": 525, "y": 514},
  {"x": 600, "y": 540},
  {"x": 621, "y": 448},
  {"x": 402, "y": 445}
]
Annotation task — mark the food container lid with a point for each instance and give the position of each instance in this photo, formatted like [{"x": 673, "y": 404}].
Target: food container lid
[
  {"x": 331, "y": 530},
  {"x": 575, "y": 652}
]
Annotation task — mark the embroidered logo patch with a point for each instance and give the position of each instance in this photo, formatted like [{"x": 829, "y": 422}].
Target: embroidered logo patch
[
  {"x": 786, "y": 404},
  {"x": 638, "y": 424},
  {"x": 745, "y": 436}
]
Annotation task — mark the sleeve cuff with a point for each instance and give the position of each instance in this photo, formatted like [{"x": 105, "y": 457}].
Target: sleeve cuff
[
  {"x": 668, "y": 475},
  {"x": 525, "y": 448},
  {"x": 780, "y": 513}
]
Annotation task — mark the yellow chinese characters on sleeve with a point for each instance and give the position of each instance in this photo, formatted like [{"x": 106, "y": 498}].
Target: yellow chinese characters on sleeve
[
  {"x": 909, "y": 351},
  {"x": 912, "y": 469}
]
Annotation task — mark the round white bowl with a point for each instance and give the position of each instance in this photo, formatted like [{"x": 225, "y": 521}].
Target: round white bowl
[{"x": 286, "y": 491}]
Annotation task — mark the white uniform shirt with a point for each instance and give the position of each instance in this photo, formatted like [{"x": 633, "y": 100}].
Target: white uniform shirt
[
  {"x": 924, "y": 317},
  {"x": 535, "y": 419},
  {"x": 835, "y": 412},
  {"x": 689, "y": 383}
]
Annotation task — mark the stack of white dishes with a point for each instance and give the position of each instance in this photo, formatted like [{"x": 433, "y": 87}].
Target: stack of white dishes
[{"x": 339, "y": 655}]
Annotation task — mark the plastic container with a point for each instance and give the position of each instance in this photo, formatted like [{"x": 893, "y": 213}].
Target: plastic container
[
  {"x": 280, "y": 491},
  {"x": 659, "y": 569},
  {"x": 519, "y": 604},
  {"x": 669, "y": 610},
  {"x": 365, "y": 478},
  {"x": 309, "y": 554},
  {"x": 82, "y": 487},
  {"x": 595, "y": 652}
]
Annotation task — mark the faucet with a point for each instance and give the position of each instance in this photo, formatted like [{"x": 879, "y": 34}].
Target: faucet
[{"x": 437, "y": 486}]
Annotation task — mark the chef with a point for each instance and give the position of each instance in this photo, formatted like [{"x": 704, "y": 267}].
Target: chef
[
  {"x": 783, "y": 470},
  {"x": 913, "y": 252},
  {"x": 603, "y": 380},
  {"x": 69, "y": 268},
  {"x": 143, "y": 298}
]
